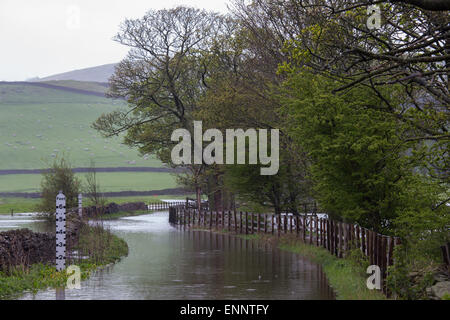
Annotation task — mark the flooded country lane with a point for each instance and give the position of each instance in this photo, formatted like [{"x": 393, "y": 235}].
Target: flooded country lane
[{"x": 168, "y": 263}]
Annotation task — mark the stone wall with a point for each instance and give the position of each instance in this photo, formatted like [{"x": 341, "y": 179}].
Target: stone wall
[
  {"x": 114, "y": 208},
  {"x": 132, "y": 206},
  {"x": 25, "y": 247}
]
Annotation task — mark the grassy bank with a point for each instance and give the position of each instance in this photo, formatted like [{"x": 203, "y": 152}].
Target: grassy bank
[
  {"x": 100, "y": 247},
  {"x": 346, "y": 276}
]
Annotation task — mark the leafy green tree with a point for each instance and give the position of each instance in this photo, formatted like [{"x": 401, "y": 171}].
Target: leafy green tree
[
  {"x": 359, "y": 155},
  {"x": 162, "y": 78},
  {"x": 59, "y": 177},
  {"x": 423, "y": 221}
]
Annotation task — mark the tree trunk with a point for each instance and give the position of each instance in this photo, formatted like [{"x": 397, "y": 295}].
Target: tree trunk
[{"x": 199, "y": 198}]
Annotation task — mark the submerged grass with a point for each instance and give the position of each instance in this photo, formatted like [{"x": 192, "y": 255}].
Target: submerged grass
[
  {"x": 96, "y": 247},
  {"x": 345, "y": 275}
]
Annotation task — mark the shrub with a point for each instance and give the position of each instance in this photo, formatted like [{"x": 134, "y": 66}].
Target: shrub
[{"x": 59, "y": 177}]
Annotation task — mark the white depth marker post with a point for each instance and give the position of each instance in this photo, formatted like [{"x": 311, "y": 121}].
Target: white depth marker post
[
  {"x": 60, "y": 231},
  {"x": 80, "y": 205}
]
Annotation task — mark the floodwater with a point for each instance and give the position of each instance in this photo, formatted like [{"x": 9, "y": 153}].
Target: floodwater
[
  {"x": 165, "y": 262},
  {"x": 24, "y": 220}
]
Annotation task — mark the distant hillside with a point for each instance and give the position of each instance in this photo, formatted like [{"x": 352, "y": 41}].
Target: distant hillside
[
  {"x": 98, "y": 87},
  {"x": 39, "y": 121},
  {"x": 50, "y": 91},
  {"x": 94, "y": 74}
]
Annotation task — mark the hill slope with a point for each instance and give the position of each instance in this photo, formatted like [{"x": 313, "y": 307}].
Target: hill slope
[
  {"x": 94, "y": 74},
  {"x": 87, "y": 86},
  {"x": 37, "y": 123}
]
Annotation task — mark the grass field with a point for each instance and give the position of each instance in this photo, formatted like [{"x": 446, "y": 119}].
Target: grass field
[
  {"x": 29, "y": 205},
  {"x": 37, "y": 124},
  {"x": 17, "y": 205},
  {"x": 109, "y": 181}
]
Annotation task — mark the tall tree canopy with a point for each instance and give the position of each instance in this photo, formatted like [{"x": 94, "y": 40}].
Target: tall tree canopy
[{"x": 162, "y": 76}]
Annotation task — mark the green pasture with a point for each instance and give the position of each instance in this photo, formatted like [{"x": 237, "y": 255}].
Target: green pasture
[
  {"x": 109, "y": 181},
  {"x": 39, "y": 124}
]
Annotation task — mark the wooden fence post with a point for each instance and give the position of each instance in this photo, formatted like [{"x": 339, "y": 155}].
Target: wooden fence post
[
  {"x": 316, "y": 224},
  {"x": 372, "y": 251},
  {"x": 339, "y": 235},
  {"x": 352, "y": 236},
  {"x": 380, "y": 252},
  {"x": 285, "y": 224},
  {"x": 321, "y": 232},
  {"x": 325, "y": 235},
  {"x": 344, "y": 227},
  {"x": 265, "y": 222},
  {"x": 279, "y": 224},
  {"x": 366, "y": 242},
  {"x": 240, "y": 222},
  {"x": 258, "y": 222},
  {"x": 346, "y": 234},
  {"x": 189, "y": 218},
  {"x": 310, "y": 230},
  {"x": 332, "y": 237},
  {"x": 375, "y": 249},
  {"x": 384, "y": 261},
  {"x": 252, "y": 223},
  {"x": 273, "y": 224},
  {"x": 304, "y": 228},
  {"x": 217, "y": 219},
  {"x": 336, "y": 234},
  {"x": 445, "y": 249},
  {"x": 210, "y": 219},
  {"x": 363, "y": 241},
  {"x": 358, "y": 241},
  {"x": 327, "y": 226},
  {"x": 246, "y": 222}
]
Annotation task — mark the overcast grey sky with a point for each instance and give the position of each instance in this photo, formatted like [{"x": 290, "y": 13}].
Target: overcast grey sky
[{"x": 45, "y": 37}]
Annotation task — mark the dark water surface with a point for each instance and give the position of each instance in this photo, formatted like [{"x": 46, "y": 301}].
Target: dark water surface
[{"x": 168, "y": 263}]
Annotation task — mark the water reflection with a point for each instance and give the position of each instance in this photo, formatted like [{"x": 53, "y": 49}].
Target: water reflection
[
  {"x": 168, "y": 263},
  {"x": 23, "y": 220}
]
